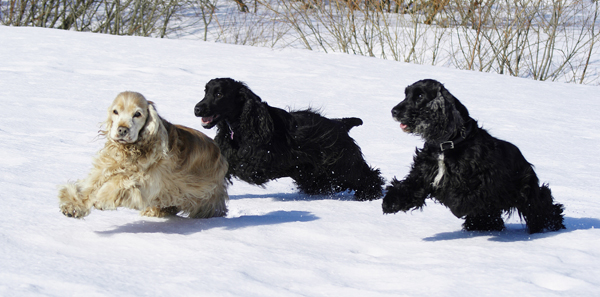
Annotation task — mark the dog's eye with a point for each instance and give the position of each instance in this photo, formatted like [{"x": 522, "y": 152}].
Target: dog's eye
[
  {"x": 137, "y": 114},
  {"x": 115, "y": 112},
  {"x": 218, "y": 95}
]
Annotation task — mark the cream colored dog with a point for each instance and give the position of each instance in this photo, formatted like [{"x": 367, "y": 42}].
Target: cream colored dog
[{"x": 150, "y": 165}]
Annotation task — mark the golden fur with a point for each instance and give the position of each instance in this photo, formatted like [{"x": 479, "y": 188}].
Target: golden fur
[{"x": 150, "y": 165}]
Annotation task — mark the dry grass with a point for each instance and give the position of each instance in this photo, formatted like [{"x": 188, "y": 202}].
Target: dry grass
[{"x": 544, "y": 40}]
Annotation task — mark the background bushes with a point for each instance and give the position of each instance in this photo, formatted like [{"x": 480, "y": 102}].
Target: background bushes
[{"x": 544, "y": 40}]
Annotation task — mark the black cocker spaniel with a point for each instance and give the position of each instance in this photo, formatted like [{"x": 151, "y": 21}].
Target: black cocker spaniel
[
  {"x": 263, "y": 143},
  {"x": 478, "y": 177}
]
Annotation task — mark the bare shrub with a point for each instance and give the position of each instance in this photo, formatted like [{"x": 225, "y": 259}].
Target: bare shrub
[
  {"x": 540, "y": 39},
  {"x": 129, "y": 17}
]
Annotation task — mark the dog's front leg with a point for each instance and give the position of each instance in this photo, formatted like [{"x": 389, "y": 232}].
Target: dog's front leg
[
  {"x": 74, "y": 201},
  {"x": 114, "y": 194},
  {"x": 403, "y": 196}
]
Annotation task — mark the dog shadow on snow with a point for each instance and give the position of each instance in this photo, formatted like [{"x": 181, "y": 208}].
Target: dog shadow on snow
[
  {"x": 184, "y": 226},
  {"x": 286, "y": 197},
  {"x": 518, "y": 232}
]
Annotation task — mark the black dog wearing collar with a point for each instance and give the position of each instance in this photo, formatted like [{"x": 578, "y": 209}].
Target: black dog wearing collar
[{"x": 478, "y": 177}]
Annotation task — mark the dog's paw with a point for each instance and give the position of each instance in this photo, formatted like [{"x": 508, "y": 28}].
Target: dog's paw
[
  {"x": 395, "y": 200},
  {"x": 159, "y": 212},
  {"x": 391, "y": 204},
  {"x": 104, "y": 206},
  {"x": 74, "y": 211},
  {"x": 484, "y": 222},
  {"x": 389, "y": 208},
  {"x": 364, "y": 196}
]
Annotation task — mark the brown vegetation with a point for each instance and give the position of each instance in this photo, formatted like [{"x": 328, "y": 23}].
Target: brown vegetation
[{"x": 542, "y": 40}]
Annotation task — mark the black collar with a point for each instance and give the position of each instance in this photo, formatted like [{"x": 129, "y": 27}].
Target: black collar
[{"x": 465, "y": 130}]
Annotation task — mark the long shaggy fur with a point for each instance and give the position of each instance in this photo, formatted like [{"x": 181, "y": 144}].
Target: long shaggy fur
[
  {"x": 151, "y": 165},
  {"x": 262, "y": 143},
  {"x": 478, "y": 177}
]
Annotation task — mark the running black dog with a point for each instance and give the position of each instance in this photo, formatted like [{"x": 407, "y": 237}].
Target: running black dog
[
  {"x": 477, "y": 176},
  {"x": 263, "y": 143}
]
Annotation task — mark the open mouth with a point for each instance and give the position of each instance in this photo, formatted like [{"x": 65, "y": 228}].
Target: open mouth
[
  {"x": 208, "y": 121},
  {"x": 404, "y": 128}
]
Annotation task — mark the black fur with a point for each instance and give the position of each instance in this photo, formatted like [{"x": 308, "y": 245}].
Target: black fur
[
  {"x": 483, "y": 176},
  {"x": 263, "y": 143}
]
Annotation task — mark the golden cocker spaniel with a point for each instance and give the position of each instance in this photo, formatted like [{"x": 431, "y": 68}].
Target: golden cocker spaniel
[{"x": 151, "y": 165}]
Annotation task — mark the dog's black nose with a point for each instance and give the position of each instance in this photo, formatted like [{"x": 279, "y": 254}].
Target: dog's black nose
[
  {"x": 197, "y": 110},
  {"x": 123, "y": 131},
  {"x": 395, "y": 113}
]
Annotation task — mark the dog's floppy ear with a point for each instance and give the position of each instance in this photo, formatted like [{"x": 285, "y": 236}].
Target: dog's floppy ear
[
  {"x": 455, "y": 109},
  {"x": 438, "y": 104},
  {"x": 106, "y": 124},
  {"x": 255, "y": 118},
  {"x": 154, "y": 128}
]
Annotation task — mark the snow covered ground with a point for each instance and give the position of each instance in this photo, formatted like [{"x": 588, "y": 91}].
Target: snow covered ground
[{"x": 55, "y": 87}]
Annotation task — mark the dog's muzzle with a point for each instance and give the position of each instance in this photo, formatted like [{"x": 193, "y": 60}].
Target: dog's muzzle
[
  {"x": 122, "y": 131},
  {"x": 198, "y": 110}
]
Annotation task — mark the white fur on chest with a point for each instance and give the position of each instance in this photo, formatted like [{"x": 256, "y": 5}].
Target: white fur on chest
[{"x": 440, "y": 172}]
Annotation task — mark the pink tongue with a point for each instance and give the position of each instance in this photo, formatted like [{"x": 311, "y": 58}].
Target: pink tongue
[
  {"x": 207, "y": 120},
  {"x": 402, "y": 126}
]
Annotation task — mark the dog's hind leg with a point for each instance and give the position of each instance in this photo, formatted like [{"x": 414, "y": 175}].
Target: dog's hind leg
[
  {"x": 484, "y": 222},
  {"x": 214, "y": 204},
  {"x": 369, "y": 185},
  {"x": 351, "y": 172},
  {"x": 311, "y": 181},
  {"x": 540, "y": 213},
  {"x": 315, "y": 184},
  {"x": 159, "y": 212}
]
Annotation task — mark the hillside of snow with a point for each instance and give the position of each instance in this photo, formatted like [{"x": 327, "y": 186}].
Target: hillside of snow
[{"x": 55, "y": 87}]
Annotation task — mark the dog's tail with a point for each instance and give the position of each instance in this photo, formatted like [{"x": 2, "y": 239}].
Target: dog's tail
[{"x": 349, "y": 123}]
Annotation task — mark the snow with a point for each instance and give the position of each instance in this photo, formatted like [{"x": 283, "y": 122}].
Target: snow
[{"x": 55, "y": 89}]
